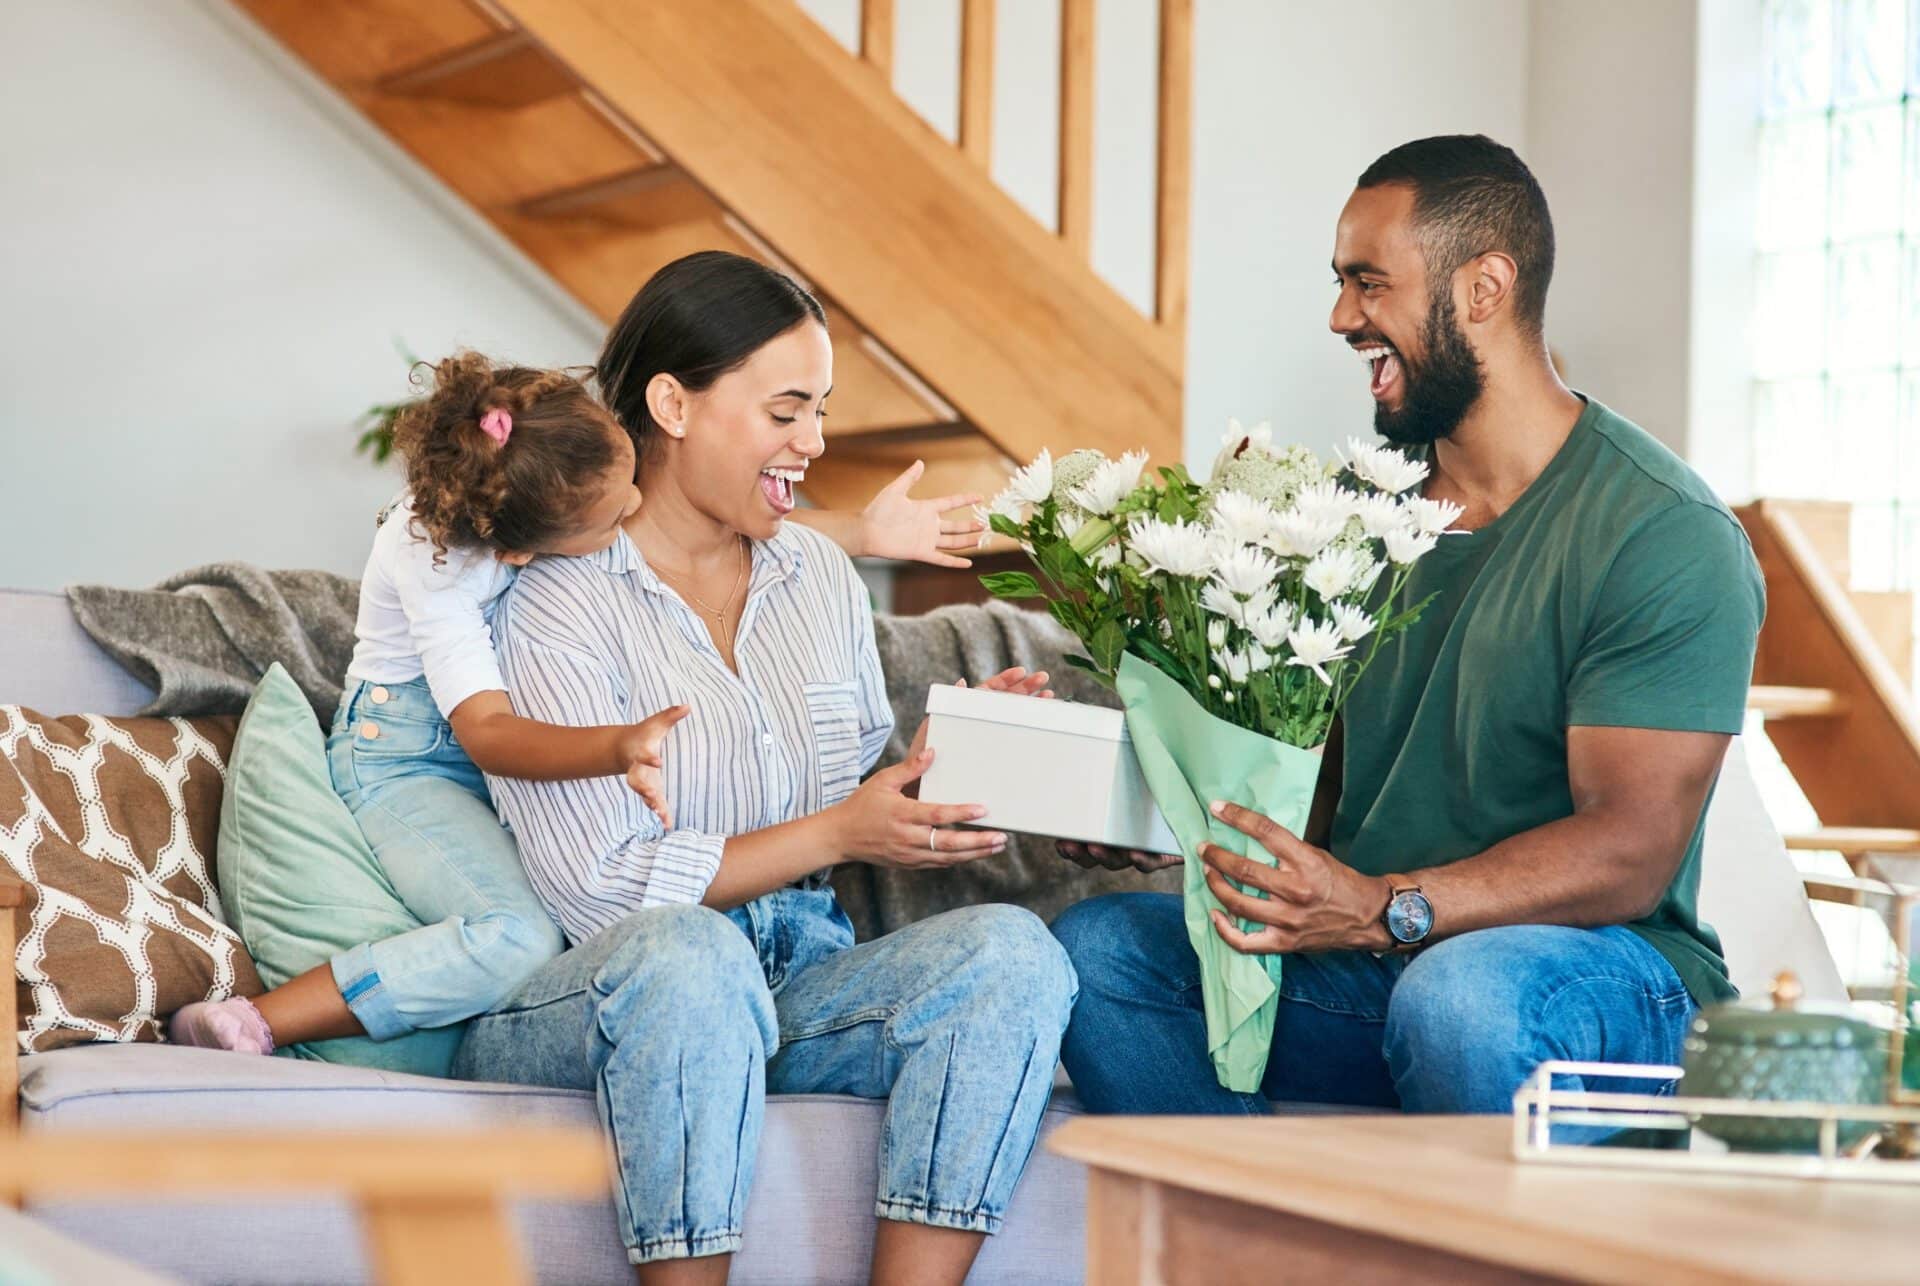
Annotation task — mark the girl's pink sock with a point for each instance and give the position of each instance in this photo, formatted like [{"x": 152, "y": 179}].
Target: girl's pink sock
[{"x": 232, "y": 1024}]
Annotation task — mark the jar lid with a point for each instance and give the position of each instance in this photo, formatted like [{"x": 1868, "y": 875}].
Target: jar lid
[{"x": 1782, "y": 1023}]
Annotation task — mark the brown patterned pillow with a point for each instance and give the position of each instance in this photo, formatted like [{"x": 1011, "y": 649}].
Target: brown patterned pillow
[{"x": 111, "y": 825}]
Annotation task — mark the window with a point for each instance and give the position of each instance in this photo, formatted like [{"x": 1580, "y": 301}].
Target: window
[{"x": 1837, "y": 300}]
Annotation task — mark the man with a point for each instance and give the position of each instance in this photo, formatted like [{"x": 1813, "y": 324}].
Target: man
[{"x": 1504, "y": 858}]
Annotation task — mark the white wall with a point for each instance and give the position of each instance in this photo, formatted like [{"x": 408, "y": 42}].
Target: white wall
[
  {"x": 204, "y": 265},
  {"x": 1610, "y": 136}
]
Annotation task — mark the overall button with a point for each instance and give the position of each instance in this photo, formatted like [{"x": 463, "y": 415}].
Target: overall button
[
  {"x": 370, "y": 730},
  {"x": 381, "y": 696}
]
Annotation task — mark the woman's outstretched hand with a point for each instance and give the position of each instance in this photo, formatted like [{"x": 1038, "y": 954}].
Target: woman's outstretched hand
[
  {"x": 879, "y": 823},
  {"x": 894, "y": 525}
]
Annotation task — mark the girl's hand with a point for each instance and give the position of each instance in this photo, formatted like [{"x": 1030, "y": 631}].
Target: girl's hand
[
  {"x": 893, "y": 525},
  {"x": 640, "y": 752},
  {"x": 879, "y": 823}
]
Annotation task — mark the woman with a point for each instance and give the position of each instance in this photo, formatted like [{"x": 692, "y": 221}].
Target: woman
[{"x": 711, "y": 964}]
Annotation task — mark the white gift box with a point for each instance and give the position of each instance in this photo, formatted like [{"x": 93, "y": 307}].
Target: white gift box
[{"x": 1043, "y": 767}]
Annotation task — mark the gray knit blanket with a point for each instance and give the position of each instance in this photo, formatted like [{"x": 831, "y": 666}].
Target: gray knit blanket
[{"x": 203, "y": 638}]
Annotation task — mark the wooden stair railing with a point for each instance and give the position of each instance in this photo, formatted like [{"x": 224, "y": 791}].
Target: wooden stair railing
[
  {"x": 1837, "y": 710},
  {"x": 605, "y": 138}
]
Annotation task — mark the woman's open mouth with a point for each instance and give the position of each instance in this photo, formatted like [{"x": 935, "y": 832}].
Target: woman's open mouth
[
  {"x": 776, "y": 487},
  {"x": 1385, "y": 364}
]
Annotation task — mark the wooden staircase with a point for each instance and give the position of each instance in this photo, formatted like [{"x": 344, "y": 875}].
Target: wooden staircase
[
  {"x": 1832, "y": 681},
  {"x": 606, "y": 138}
]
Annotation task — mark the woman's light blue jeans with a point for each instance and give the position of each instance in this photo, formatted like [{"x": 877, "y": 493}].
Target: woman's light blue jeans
[
  {"x": 1455, "y": 1028},
  {"x": 682, "y": 1020},
  {"x": 424, "y": 808}
]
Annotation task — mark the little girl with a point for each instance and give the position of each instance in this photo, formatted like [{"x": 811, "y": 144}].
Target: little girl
[{"x": 503, "y": 464}]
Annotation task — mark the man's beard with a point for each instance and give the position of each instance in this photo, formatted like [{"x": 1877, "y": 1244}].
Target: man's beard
[{"x": 1438, "y": 393}]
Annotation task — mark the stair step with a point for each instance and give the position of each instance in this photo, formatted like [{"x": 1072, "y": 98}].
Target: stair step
[
  {"x": 584, "y": 198},
  {"x": 507, "y": 70},
  {"x": 1857, "y": 839},
  {"x": 1776, "y": 702},
  {"x": 1852, "y": 890}
]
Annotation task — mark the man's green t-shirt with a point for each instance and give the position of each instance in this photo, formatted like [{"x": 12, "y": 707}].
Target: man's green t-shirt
[{"x": 1616, "y": 592}]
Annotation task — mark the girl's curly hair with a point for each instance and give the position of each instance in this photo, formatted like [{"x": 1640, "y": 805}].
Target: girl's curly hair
[{"x": 516, "y": 495}]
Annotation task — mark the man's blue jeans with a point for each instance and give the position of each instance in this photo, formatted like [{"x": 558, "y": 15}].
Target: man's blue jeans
[
  {"x": 1455, "y": 1028},
  {"x": 683, "y": 1020}
]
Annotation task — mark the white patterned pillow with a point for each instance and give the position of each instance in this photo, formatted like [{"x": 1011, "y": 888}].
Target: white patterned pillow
[{"x": 111, "y": 823}]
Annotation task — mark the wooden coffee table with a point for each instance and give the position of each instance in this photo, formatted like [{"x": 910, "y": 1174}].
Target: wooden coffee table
[{"x": 1405, "y": 1198}]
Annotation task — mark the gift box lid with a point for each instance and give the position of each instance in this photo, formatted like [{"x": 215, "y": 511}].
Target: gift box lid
[{"x": 1070, "y": 717}]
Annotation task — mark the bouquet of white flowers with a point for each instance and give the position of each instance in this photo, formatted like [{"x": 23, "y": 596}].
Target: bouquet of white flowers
[{"x": 1234, "y": 618}]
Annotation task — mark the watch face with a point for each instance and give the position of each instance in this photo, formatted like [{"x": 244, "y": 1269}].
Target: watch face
[{"x": 1409, "y": 916}]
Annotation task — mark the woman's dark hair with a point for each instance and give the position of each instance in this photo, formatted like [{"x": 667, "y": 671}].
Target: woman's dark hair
[
  {"x": 696, "y": 319},
  {"x": 520, "y": 486}
]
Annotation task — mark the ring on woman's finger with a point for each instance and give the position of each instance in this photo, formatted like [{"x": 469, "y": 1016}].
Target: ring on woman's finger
[{"x": 933, "y": 838}]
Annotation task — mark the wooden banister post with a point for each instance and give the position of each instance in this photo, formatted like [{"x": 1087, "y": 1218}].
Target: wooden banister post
[
  {"x": 976, "y": 82},
  {"x": 1076, "y": 125},
  {"x": 13, "y": 896},
  {"x": 1175, "y": 178},
  {"x": 876, "y": 36}
]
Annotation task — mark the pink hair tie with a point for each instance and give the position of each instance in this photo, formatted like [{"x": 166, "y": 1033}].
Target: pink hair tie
[{"x": 497, "y": 424}]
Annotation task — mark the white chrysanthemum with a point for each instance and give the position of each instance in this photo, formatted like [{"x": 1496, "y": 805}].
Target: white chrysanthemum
[
  {"x": 1325, "y": 502},
  {"x": 1406, "y": 546},
  {"x": 1112, "y": 482},
  {"x": 1270, "y": 628},
  {"x": 1007, "y": 505},
  {"x": 1105, "y": 557},
  {"x": 1176, "y": 548},
  {"x": 1337, "y": 572},
  {"x": 1222, "y": 603},
  {"x": 1034, "y": 483},
  {"x": 1353, "y": 622},
  {"x": 1384, "y": 467},
  {"x": 1294, "y": 535},
  {"x": 1432, "y": 517},
  {"x": 1316, "y": 645},
  {"x": 1379, "y": 514},
  {"x": 1217, "y": 632},
  {"x": 1071, "y": 471},
  {"x": 1245, "y": 570},
  {"x": 1235, "y": 665},
  {"x": 1242, "y": 518}
]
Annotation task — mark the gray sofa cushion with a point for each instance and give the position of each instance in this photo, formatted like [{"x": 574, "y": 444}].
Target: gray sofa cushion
[
  {"x": 47, "y": 662},
  {"x": 810, "y": 1218},
  {"x": 32, "y": 1254}
]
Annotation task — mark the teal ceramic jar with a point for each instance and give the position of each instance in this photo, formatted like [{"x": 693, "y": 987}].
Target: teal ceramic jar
[{"x": 1785, "y": 1054}]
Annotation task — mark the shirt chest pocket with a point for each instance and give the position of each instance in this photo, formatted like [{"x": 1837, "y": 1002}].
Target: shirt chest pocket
[{"x": 834, "y": 716}]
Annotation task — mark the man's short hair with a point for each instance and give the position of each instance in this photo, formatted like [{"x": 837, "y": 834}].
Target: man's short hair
[{"x": 1472, "y": 196}]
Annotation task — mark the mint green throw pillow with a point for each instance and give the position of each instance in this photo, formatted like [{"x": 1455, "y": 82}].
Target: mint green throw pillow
[{"x": 297, "y": 879}]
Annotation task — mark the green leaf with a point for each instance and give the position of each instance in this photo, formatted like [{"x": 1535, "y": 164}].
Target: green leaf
[
  {"x": 1109, "y": 641},
  {"x": 1066, "y": 567},
  {"x": 1005, "y": 526},
  {"x": 1012, "y": 585}
]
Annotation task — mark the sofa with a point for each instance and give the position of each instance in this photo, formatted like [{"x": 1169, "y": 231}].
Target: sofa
[{"x": 810, "y": 1215}]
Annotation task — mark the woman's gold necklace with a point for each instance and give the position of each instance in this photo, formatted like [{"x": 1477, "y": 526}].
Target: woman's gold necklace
[{"x": 719, "y": 614}]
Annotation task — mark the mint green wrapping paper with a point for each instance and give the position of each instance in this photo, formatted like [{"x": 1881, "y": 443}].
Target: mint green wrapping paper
[{"x": 1189, "y": 759}]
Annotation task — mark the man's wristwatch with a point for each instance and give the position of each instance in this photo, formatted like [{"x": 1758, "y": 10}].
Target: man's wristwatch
[{"x": 1409, "y": 916}]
